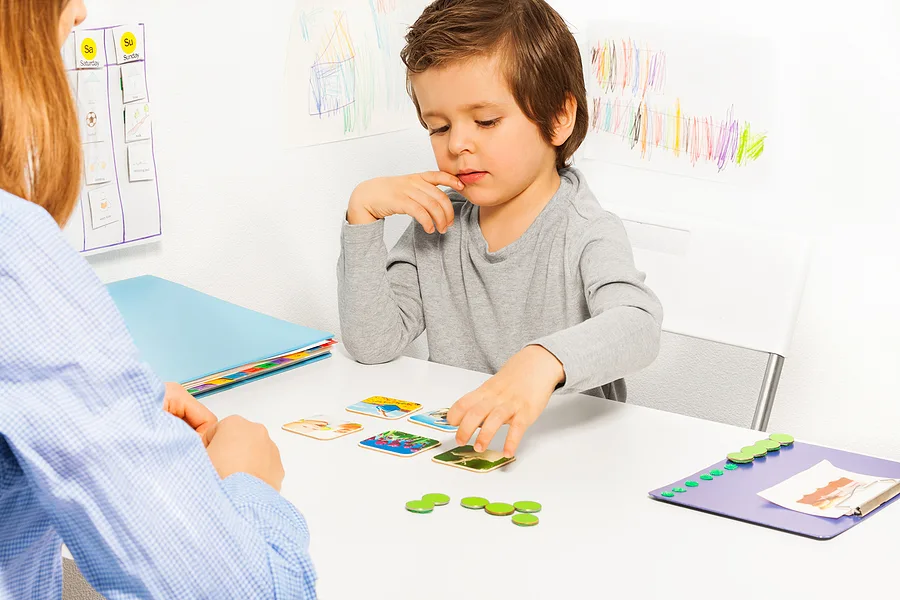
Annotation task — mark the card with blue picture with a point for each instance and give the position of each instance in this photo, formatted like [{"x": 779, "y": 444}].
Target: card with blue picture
[{"x": 436, "y": 419}]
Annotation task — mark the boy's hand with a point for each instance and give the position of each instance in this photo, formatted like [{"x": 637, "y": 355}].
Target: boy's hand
[
  {"x": 187, "y": 408},
  {"x": 517, "y": 395},
  {"x": 415, "y": 195}
]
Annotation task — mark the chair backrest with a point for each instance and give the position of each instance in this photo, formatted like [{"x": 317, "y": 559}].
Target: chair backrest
[{"x": 723, "y": 283}]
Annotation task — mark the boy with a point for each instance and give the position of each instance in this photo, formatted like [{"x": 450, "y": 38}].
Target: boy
[{"x": 517, "y": 271}]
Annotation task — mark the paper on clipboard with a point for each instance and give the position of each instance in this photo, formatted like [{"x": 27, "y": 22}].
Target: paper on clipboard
[{"x": 827, "y": 491}]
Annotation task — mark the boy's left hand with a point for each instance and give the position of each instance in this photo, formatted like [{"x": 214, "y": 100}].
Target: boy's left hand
[
  {"x": 187, "y": 408},
  {"x": 517, "y": 395}
]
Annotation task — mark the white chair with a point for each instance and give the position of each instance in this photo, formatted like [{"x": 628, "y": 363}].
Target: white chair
[{"x": 727, "y": 284}]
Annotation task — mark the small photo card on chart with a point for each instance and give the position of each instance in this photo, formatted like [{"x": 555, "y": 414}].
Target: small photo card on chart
[
  {"x": 137, "y": 122},
  {"x": 89, "y": 53},
  {"x": 134, "y": 86},
  {"x": 98, "y": 163},
  {"x": 140, "y": 161},
  {"x": 104, "y": 203},
  {"x": 129, "y": 43},
  {"x": 93, "y": 107}
]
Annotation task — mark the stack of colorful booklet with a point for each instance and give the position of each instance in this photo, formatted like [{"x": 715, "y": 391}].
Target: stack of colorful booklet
[{"x": 207, "y": 344}]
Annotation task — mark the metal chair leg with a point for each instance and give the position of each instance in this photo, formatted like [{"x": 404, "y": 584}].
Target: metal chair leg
[{"x": 767, "y": 393}]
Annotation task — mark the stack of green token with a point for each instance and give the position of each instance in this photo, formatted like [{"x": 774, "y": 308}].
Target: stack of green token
[
  {"x": 522, "y": 512},
  {"x": 419, "y": 506},
  {"x": 526, "y": 516},
  {"x": 770, "y": 445},
  {"x": 437, "y": 499},
  {"x": 427, "y": 503},
  {"x": 756, "y": 451},
  {"x": 741, "y": 457},
  {"x": 774, "y": 443},
  {"x": 782, "y": 438}
]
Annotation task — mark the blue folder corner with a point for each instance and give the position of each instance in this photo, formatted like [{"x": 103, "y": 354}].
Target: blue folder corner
[{"x": 185, "y": 334}]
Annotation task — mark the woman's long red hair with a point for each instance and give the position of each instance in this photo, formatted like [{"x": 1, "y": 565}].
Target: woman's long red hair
[{"x": 40, "y": 143}]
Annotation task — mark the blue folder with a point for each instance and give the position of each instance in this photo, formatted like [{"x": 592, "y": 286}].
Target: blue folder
[{"x": 185, "y": 335}]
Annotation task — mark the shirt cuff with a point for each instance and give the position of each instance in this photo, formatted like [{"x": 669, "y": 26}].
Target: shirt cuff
[
  {"x": 244, "y": 489},
  {"x": 557, "y": 348},
  {"x": 365, "y": 233}
]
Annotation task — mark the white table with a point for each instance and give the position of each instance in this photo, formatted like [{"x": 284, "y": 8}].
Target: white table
[{"x": 589, "y": 462}]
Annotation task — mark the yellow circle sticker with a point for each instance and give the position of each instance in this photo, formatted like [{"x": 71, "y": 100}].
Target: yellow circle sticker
[
  {"x": 128, "y": 42},
  {"x": 88, "y": 49}
]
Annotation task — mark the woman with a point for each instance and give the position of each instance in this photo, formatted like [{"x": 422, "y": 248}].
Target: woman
[{"x": 94, "y": 452}]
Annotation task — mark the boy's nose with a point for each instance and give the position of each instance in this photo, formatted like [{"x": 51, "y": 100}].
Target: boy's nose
[{"x": 461, "y": 141}]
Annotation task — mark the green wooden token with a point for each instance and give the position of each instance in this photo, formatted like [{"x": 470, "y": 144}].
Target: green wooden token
[
  {"x": 500, "y": 509},
  {"x": 729, "y": 466},
  {"x": 527, "y": 506},
  {"x": 782, "y": 438},
  {"x": 525, "y": 520},
  {"x": 756, "y": 451},
  {"x": 740, "y": 457},
  {"x": 760, "y": 448},
  {"x": 437, "y": 499},
  {"x": 691, "y": 483},
  {"x": 706, "y": 477},
  {"x": 419, "y": 506},
  {"x": 717, "y": 472},
  {"x": 668, "y": 495},
  {"x": 474, "y": 502},
  {"x": 770, "y": 445},
  {"x": 679, "y": 490}
]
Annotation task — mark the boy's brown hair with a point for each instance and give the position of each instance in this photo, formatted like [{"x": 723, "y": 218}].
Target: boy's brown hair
[
  {"x": 40, "y": 143},
  {"x": 539, "y": 55}
]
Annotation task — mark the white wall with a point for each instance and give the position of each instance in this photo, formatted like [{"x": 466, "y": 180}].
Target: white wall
[{"x": 251, "y": 223}]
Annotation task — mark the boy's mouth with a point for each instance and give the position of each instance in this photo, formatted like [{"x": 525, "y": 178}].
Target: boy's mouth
[{"x": 469, "y": 177}]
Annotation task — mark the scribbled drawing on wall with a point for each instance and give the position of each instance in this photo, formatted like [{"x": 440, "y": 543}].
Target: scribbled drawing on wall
[
  {"x": 645, "y": 97},
  {"x": 332, "y": 74},
  {"x": 647, "y": 128},
  {"x": 343, "y": 74}
]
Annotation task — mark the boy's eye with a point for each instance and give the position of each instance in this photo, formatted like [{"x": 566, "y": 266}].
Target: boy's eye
[
  {"x": 490, "y": 123},
  {"x": 439, "y": 130}
]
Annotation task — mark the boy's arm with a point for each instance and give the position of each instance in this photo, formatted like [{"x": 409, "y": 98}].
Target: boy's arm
[
  {"x": 379, "y": 301},
  {"x": 622, "y": 336}
]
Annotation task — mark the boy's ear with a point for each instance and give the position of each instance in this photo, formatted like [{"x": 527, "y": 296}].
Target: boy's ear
[{"x": 565, "y": 122}]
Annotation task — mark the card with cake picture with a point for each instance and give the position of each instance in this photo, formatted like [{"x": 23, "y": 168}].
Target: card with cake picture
[{"x": 322, "y": 427}]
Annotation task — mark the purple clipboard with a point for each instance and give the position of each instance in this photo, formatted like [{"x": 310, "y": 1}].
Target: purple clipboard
[{"x": 734, "y": 493}]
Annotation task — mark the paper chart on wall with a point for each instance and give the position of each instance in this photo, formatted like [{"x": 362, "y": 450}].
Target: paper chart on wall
[{"x": 119, "y": 203}]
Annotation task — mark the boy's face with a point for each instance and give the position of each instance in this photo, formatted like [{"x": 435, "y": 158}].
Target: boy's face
[{"x": 479, "y": 133}]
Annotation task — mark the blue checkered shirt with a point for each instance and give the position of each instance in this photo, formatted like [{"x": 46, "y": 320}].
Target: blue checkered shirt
[{"x": 88, "y": 457}]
